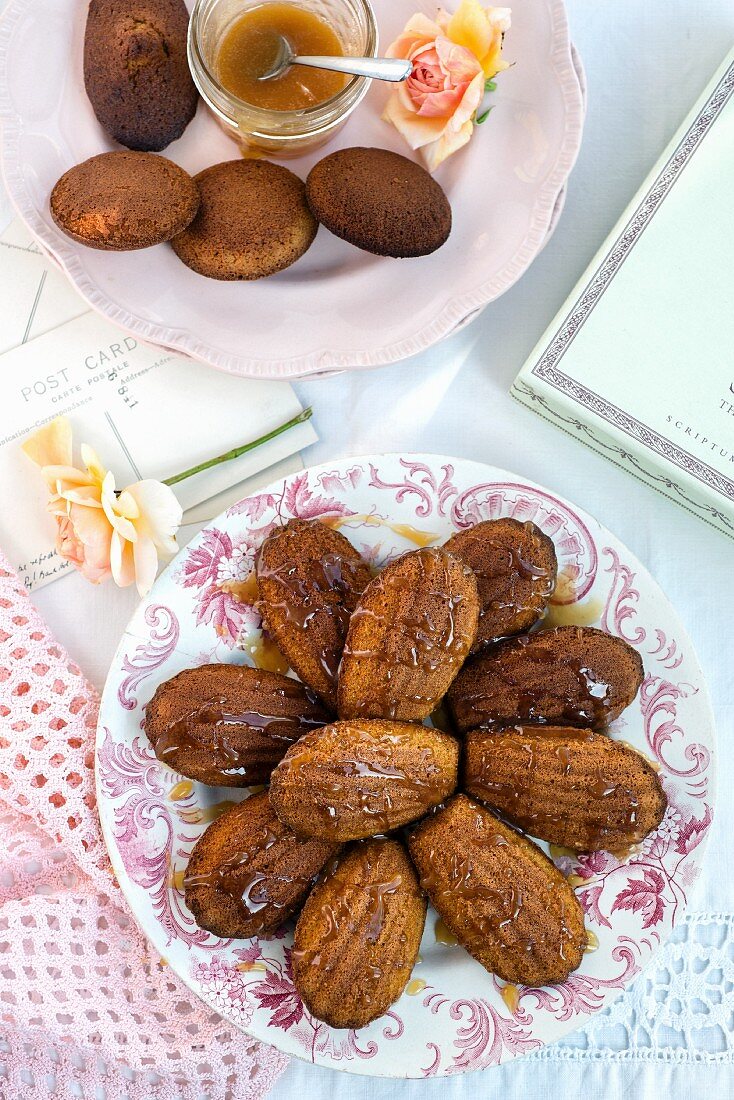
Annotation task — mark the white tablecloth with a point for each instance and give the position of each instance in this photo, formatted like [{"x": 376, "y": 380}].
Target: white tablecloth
[{"x": 646, "y": 63}]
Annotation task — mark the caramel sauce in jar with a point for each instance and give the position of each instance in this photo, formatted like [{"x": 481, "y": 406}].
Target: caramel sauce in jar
[
  {"x": 249, "y": 48},
  {"x": 229, "y": 40}
]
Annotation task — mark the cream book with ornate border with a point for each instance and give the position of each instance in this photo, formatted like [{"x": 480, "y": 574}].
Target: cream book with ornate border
[{"x": 639, "y": 362}]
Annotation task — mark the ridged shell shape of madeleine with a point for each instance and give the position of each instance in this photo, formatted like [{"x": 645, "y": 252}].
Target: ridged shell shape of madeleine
[
  {"x": 229, "y": 725},
  {"x": 357, "y": 939},
  {"x": 408, "y": 637},
  {"x": 575, "y": 788},
  {"x": 355, "y": 779},
  {"x": 502, "y": 898},
  {"x": 515, "y": 566},
  {"x": 572, "y": 676},
  {"x": 309, "y": 579},
  {"x": 248, "y": 873}
]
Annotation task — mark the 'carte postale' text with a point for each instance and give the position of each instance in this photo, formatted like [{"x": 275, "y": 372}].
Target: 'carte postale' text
[{"x": 59, "y": 386}]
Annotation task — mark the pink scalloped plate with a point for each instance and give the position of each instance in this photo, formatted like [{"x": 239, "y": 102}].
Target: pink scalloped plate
[
  {"x": 338, "y": 308},
  {"x": 453, "y": 1015}
]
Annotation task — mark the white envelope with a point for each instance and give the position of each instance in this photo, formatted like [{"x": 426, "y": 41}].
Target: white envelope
[{"x": 37, "y": 296}]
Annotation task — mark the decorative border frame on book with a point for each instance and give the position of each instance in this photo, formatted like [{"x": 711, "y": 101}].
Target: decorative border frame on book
[
  {"x": 603, "y": 445},
  {"x": 547, "y": 366}
]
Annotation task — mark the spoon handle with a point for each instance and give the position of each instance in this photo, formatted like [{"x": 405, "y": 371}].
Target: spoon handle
[{"x": 394, "y": 69}]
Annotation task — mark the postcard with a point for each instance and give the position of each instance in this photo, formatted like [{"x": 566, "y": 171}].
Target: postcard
[{"x": 146, "y": 411}]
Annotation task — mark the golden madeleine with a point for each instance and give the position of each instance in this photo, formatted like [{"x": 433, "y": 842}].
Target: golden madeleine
[
  {"x": 248, "y": 873},
  {"x": 502, "y": 898},
  {"x": 122, "y": 200},
  {"x": 357, "y": 938},
  {"x": 354, "y": 779},
  {"x": 408, "y": 637},
  {"x": 229, "y": 725},
  {"x": 571, "y": 676},
  {"x": 253, "y": 221},
  {"x": 575, "y": 788},
  {"x": 309, "y": 578},
  {"x": 515, "y": 566}
]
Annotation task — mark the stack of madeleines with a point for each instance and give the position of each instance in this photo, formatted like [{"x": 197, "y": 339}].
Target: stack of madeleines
[{"x": 369, "y": 812}]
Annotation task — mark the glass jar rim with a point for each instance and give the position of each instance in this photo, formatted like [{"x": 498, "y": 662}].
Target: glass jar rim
[{"x": 356, "y": 87}]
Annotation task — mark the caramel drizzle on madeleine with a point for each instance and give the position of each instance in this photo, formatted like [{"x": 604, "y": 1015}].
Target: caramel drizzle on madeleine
[
  {"x": 351, "y": 780},
  {"x": 574, "y": 788},
  {"x": 408, "y": 637}
]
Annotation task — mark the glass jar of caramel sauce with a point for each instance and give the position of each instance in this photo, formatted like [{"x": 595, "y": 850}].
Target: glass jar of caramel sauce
[{"x": 233, "y": 42}]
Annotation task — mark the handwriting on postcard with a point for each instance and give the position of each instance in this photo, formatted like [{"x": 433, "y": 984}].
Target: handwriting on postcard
[{"x": 42, "y": 568}]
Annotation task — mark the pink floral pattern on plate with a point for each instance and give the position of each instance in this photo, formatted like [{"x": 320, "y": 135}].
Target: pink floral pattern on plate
[{"x": 453, "y": 1016}]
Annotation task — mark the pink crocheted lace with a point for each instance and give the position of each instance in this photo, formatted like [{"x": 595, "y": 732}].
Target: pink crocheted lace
[{"x": 85, "y": 1004}]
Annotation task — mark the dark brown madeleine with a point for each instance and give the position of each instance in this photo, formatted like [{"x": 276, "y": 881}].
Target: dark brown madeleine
[
  {"x": 135, "y": 70},
  {"x": 248, "y": 873},
  {"x": 354, "y": 779},
  {"x": 573, "y": 676},
  {"x": 229, "y": 725},
  {"x": 515, "y": 567},
  {"x": 379, "y": 201},
  {"x": 408, "y": 637},
  {"x": 502, "y": 898},
  {"x": 575, "y": 788},
  {"x": 358, "y": 936},
  {"x": 309, "y": 579}
]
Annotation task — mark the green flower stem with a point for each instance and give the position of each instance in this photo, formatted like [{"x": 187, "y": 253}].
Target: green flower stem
[{"x": 237, "y": 451}]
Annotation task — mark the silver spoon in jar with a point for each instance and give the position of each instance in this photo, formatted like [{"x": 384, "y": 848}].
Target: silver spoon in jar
[{"x": 394, "y": 69}]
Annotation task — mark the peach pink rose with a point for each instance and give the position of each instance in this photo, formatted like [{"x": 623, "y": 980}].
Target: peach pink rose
[
  {"x": 453, "y": 56},
  {"x": 101, "y": 532},
  {"x": 83, "y": 538}
]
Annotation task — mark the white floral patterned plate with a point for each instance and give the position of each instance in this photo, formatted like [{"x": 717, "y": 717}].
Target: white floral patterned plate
[{"x": 453, "y": 1016}]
